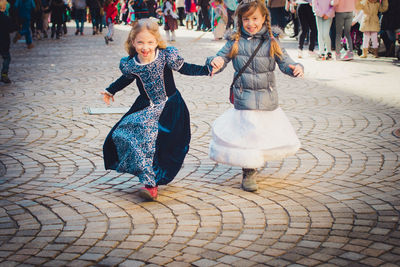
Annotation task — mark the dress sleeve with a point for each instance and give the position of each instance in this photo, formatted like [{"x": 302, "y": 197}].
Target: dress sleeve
[
  {"x": 119, "y": 84},
  {"x": 195, "y": 70},
  {"x": 173, "y": 59},
  {"x": 125, "y": 66}
]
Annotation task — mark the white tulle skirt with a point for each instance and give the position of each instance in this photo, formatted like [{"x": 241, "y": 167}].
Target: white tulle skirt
[{"x": 250, "y": 138}]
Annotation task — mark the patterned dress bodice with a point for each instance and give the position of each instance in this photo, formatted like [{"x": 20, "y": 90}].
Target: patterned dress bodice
[{"x": 151, "y": 75}]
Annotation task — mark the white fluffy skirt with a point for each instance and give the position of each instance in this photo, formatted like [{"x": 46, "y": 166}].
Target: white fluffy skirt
[{"x": 250, "y": 138}]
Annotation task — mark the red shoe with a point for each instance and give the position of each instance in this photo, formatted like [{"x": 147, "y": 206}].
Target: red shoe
[{"x": 148, "y": 194}]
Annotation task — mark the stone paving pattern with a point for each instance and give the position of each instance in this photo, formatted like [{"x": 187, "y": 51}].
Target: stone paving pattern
[{"x": 335, "y": 203}]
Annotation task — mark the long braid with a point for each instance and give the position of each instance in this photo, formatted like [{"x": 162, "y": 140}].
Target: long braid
[
  {"x": 275, "y": 49},
  {"x": 235, "y": 46}
]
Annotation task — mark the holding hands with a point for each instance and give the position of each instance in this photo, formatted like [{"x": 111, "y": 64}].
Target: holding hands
[
  {"x": 217, "y": 63},
  {"x": 297, "y": 70},
  {"x": 107, "y": 97}
]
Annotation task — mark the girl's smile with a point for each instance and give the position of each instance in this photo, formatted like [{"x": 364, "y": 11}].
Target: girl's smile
[
  {"x": 253, "y": 22},
  {"x": 145, "y": 45}
]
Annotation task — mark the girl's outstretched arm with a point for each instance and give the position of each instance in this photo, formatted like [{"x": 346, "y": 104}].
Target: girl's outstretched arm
[
  {"x": 177, "y": 63},
  {"x": 195, "y": 70},
  {"x": 288, "y": 66},
  {"x": 116, "y": 86}
]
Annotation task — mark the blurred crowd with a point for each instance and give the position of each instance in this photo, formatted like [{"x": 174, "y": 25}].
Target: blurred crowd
[{"x": 340, "y": 28}]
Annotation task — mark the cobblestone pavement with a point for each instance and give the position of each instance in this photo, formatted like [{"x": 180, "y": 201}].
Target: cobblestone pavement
[{"x": 335, "y": 203}]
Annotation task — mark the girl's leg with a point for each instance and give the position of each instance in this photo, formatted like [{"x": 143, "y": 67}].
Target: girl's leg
[
  {"x": 374, "y": 38},
  {"x": 173, "y": 36},
  {"x": 347, "y": 28},
  {"x": 6, "y": 63},
  {"x": 301, "y": 12},
  {"x": 77, "y": 25},
  {"x": 249, "y": 181},
  {"x": 168, "y": 35},
  {"x": 82, "y": 24},
  {"x": 327, "y": 39},
  {"x": 366, "y": 38},
  {"x": 312, "y": 34},
  {"x": 321, "y": 48},
  {"x": 340, "y": 17}
]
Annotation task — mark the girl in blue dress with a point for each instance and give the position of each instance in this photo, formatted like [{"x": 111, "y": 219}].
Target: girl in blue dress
[{"x": 152, "y": 139}]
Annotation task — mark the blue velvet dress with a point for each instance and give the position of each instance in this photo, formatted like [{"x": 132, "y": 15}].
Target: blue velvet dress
[{"x": 152, "y": 139}]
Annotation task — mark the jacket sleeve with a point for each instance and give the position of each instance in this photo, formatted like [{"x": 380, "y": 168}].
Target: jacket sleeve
[
  {"x": 384, "y": 6},
  {"x": 174, "y": 60},
  {"x": 284, "y": 61},
  {"x": 315, "y": 6},
  {"x": 224, "y": 52},
  {"x": 119, "y": 84}
]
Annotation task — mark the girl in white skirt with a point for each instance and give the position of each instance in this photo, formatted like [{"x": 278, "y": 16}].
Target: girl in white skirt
[{"x": 256, "y": 130}]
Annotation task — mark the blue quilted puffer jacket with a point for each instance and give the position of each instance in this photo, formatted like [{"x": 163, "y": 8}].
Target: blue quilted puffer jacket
[{"x": 256, "y": 87}]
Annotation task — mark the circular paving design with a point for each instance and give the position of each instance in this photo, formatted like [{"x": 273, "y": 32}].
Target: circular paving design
[{"x": 335, "y": 203}]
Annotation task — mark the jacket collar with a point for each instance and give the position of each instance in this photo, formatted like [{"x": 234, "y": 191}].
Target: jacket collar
[{"x": 262, "y": 34}]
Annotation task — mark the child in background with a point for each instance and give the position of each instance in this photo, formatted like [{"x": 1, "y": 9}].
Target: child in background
[
  {"x": 170, "y": 17},
  {"x": 6, "y": 27},
  {"x": 256, "y": 129},
  {"x": 191, "y": 10},
  {"x": 111, "y": 11},
  {"x": 324, "y": 13},
  {"x": 220, "y": 19},
  {"x": 343, "y": 18},
  {"x": 152, "y": 139},
  {"x": 370, "y": 23},
  {"x": 57, "y": 8}
]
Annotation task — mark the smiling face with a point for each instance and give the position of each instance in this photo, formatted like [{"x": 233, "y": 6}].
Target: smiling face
[
  {"x": 145, "y": 44},
  {"x": 253, "y": 21}
]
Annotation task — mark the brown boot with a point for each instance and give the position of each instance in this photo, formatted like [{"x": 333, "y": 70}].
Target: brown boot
[
  {"x": 364, "y": 53},
  {"x": 375, "y": 52},
  {"x": 191, "y": 25}
]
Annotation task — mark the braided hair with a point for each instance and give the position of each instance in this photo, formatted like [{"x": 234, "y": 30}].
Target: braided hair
[{"x": 248, "y": 7}]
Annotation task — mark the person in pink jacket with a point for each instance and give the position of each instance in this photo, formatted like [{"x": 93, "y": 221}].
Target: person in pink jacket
[
  {"x": 324, "y": 13},
  {"x": 343, "y": 17}
]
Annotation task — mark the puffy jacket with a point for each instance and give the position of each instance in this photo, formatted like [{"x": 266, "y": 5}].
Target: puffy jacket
[
  {"x": 370, "y": 20},
  {"x": 255, "y": 89}
]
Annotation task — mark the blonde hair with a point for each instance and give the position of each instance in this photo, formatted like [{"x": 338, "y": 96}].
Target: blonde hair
[
  {"x": 3, "y": 5},
  {"x": 143, "y": 24},
  {"x": 249, "y": 7}
]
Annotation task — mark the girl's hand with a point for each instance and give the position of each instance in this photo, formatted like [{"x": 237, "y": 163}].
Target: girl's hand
[
  {"x": 297, "y": 70},
  {"x": 107, "y": 97},
  {"x": 214, "y": 70},
  {"x": 217, "y": 63}
]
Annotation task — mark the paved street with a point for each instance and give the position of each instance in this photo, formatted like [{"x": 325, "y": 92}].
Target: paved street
[{"x": 335, "y": 203}]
